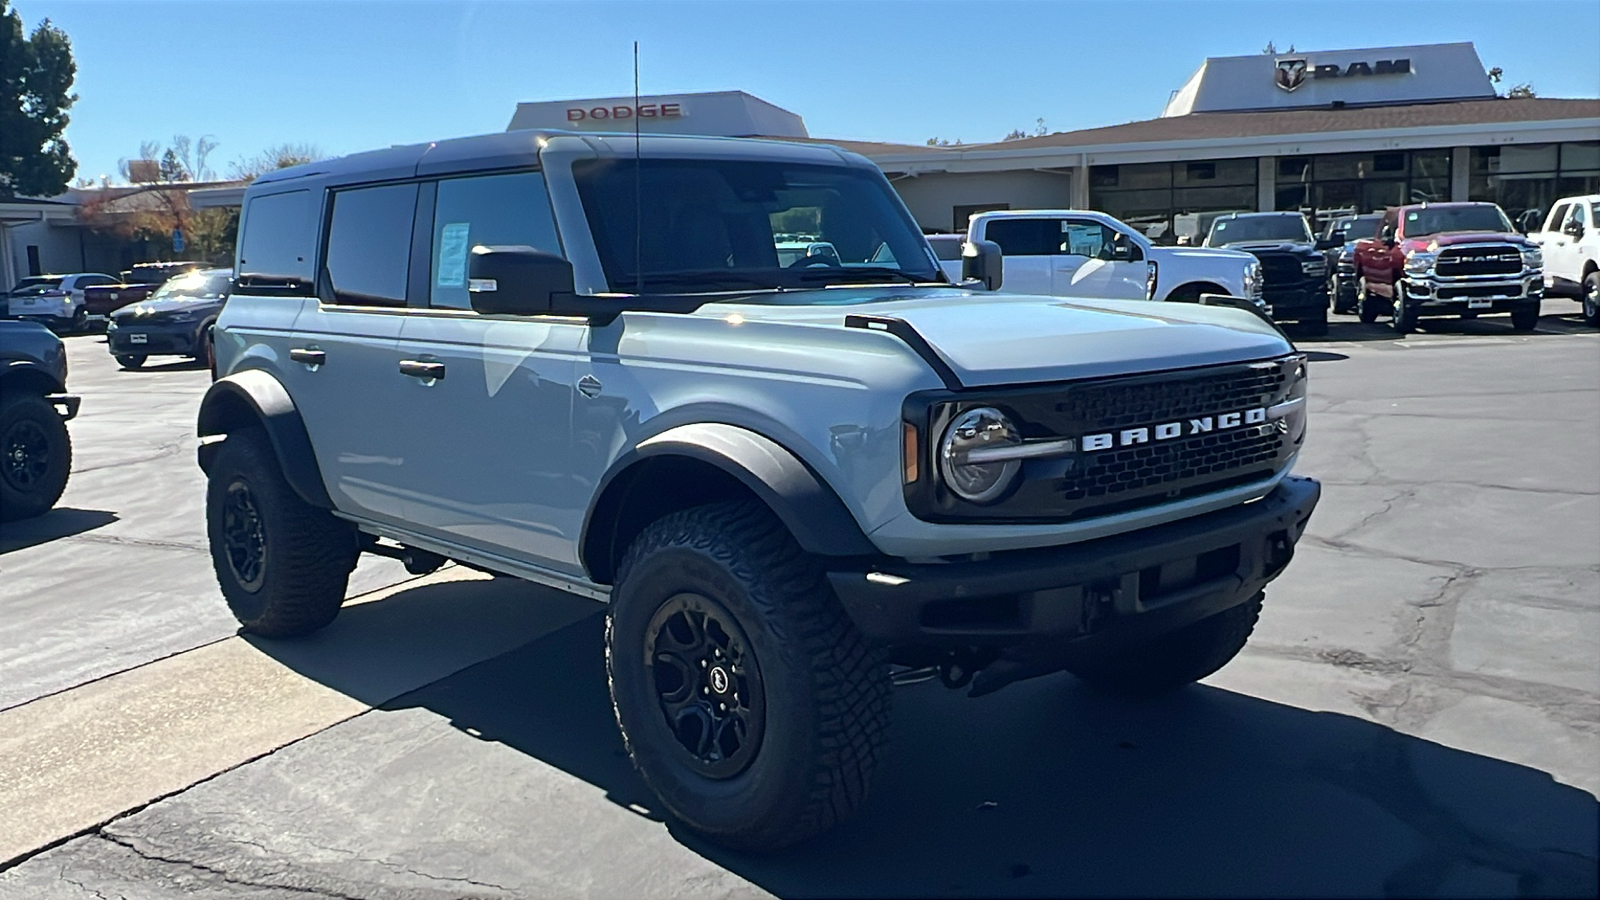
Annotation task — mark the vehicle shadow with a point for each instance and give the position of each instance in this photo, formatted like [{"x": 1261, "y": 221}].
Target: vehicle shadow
[
  {"x": 1049, "y": 789},
  {"x": 58, "y": 523}
]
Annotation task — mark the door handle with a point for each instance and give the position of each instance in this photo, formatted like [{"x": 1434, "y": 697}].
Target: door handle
[
  {"x": 418, "y": 368},
  {"x": 308, "y": 356}
]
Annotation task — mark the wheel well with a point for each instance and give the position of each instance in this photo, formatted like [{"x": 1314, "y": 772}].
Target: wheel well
[
  {"x": 28, "y": 381},
  {"x": 1196, "y": 288},
  {"x": 226, "y": 412},
  {"x": 643, "y": 493},
  {"x": 1589, "y": 267}
]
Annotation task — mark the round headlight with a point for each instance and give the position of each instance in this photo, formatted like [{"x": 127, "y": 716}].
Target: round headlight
[{"x": 970, "y": 478}]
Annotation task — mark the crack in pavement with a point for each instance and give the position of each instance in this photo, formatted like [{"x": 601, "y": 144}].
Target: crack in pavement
[{"x": 223, "y": 874}]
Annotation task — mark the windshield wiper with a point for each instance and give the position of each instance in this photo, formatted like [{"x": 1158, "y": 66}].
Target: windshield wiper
[{"x": 859, "y": 275}]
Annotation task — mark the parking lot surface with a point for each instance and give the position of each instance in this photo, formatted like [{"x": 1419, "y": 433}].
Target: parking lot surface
[{"x": 1418, "y": 713}]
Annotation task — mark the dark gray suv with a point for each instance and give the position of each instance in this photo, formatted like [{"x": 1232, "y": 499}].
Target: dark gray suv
[
  {"x": 175, "y": 321},
  {"x": 35, "y": 449}
]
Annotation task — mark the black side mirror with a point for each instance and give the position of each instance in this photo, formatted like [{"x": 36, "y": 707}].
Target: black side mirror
[
  {"x": 518, "y": 281},
  {"x": 1124, "y": 250},
  {"x": 980, "y": 261},
  {"x": 1331, "y": 241},
  {"x": 1530, "y": 220},
  {"x": 1573, "y": 229}
]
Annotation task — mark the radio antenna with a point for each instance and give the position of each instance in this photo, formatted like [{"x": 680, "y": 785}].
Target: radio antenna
[{"x": 638, "y": 186}]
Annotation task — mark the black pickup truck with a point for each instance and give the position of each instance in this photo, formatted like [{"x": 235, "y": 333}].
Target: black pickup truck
[
  {"x": 35, "y": 449},
  {"x": 1294, "y": 267}
]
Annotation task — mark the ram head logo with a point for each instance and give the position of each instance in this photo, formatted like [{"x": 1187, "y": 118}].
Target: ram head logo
[{"x": 1290, "y": 74}]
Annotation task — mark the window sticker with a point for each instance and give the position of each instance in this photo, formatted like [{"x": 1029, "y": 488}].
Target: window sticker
[{"x": 453, "y": 254}]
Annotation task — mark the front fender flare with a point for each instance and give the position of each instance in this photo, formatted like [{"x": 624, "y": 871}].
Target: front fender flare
[
  {"x": 255, "y": 397},
  {"x": 802, "y": 500}
]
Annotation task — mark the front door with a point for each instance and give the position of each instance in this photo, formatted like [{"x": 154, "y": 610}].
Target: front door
[
  {"x": 1086, "y": 264},
  {"x": 1028, "y": 247}
]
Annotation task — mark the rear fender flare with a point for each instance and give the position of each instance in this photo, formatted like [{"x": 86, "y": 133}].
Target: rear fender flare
[{"x": 255, "y": 397}]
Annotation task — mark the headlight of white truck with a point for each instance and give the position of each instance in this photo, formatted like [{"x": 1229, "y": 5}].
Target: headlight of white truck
[
  {"x": 1533, "y": 258},
  {"x": 1252, "y": 281},
  {"x": 1420, "y": 261},
  {"x": 961, "y": 453}
]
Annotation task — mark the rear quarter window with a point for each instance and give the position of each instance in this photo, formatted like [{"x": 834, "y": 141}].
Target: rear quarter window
[{"x": 277, "y": 241}]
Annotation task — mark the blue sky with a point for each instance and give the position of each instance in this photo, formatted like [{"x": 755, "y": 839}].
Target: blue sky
[{"x": 353, "y": 75}]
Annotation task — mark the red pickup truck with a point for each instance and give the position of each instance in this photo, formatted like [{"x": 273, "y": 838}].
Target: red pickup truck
[
  {"x": 138, "y": 283},
  {"x": 1448, "y": 259}
]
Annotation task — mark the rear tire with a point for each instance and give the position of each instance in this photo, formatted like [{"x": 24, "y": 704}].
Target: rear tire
[
  {"x": 1525, "y": 318},
  {"x": 35, "y": 457},
  {"x": 80, "y": 321},
  {"x": 131, "y": 360},
  {"x": 283, "y": 565},
  {"x": 1174, "y": 659},
  {"x": 781, "y": 745}
]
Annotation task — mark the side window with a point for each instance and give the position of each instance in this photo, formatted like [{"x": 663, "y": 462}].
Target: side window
[
  {"x": 1386, "y": 230},
  {"x": 275, "y": 249},
  {"x": 489, "y": 210},
  {"x": 1025, "y": 237},
  {"x": 1081, "y": 237},
  {"x": 369, "y": 245},
  {"x": 1558, "y": 217},
  {"x": 1580, "y": 214}
]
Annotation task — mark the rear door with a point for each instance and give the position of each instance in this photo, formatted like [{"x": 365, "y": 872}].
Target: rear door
[
  {"x": 1029, "y": 246},
  {"x": 342, "y": 367}
]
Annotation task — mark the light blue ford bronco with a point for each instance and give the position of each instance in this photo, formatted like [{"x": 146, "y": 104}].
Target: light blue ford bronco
[{"x": 581, "y": 360}]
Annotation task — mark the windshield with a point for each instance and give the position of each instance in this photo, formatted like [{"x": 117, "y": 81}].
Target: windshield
[
  {"x": 195, "y": 286},
  {"x": 36, "y": 285},
  {"x": 1439, "y": 219},
  {"x": 1287, "y": 227},
  {"x": 724, "y": 225},
  {"x": 1359, "y": 228}
]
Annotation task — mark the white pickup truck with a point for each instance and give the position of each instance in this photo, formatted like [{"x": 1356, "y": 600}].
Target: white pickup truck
[
  {"x": 1570, "y": 242},
  {"x": 1080, "y": 253}
]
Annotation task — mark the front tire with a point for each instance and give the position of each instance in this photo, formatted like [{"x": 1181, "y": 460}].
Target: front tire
[
  {"x": 1316, "y": 324},
  {"x": 1174, "y": 659},
  {"x": 1591, "y": 298},
  {"x": 131, "y": 360},
  {"x": 1525, "y": 318},
  {"x": 747, "y": 699},
  {"x": 283, "y": 564},
  {"x": 1366, "y": 305},
  {"x": 35, "y": 457},
  {"x": 1405, "y": 314}
]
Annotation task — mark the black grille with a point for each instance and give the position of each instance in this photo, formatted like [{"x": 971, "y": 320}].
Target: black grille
[
  {"x": 1280, "y": 268},
  {"x": 1156, "y": 469},
  {"x": 1498, "y": 260},
  {"x": 1452, "y": 292},
  {"x": 1116, "y": 472}
]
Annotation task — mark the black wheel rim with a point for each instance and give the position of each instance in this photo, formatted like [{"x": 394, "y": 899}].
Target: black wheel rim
[
  {"x": 26, "y": 459},
  {"x": 243, "y": 539},
  {"x": 707, "y": 685}
]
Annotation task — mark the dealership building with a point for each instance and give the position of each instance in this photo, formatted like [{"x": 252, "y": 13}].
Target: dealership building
[{"x": 1326, "y": 133}]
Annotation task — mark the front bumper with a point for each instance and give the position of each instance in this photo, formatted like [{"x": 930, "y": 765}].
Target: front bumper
[
  {"x": 1432, "y": 294},
  {"x": 1110, "y": 592},
  {"x": 159, "y": 339},
  {"x": 1294, "y": 302}
]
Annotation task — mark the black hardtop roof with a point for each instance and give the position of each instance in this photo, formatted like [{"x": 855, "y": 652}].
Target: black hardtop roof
[{"x": 484, "y": 152}]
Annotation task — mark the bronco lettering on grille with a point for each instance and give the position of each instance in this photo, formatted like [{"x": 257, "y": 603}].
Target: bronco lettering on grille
[{"x": 1167, "y": 431}]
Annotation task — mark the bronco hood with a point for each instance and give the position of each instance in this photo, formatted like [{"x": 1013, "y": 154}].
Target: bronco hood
[{"x": 994, "y": 339}]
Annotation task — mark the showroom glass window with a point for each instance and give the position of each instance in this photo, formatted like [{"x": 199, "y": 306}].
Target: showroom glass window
[
  {"x": 369, "y": 245},
  {"x": 491, "y": 210},
  {"x": 1331, "y": 185},
  {"x": 1533, "y": 176},
  {"x": 1174, "y": 202}
]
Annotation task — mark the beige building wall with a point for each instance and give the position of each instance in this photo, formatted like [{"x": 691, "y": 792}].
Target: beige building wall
[{"x": 933, "y": 197}]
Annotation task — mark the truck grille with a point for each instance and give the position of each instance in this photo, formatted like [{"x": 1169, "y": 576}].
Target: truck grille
[
  {"x": 1280, "y": 268},
  {"x": 1148, "y": 473},
  {"x": 1493, "y": 260}
]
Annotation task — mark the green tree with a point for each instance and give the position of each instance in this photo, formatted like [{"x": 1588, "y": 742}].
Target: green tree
[{"x": 36, "y": 74}]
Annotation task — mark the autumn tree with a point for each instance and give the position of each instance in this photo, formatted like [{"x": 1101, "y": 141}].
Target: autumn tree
[{"x": 36, "y": 74}]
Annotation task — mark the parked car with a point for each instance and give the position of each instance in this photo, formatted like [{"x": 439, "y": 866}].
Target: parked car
[
  {"x": 1570, "y": 241},
  {"x": 35, "y": 448},
  {"x": 1294, "y": 269},
  {"x": 782, "y": 479},
  {"x": 176, "y": 320},
  {"x": 1344, "y": 232},
  {"x": 138, "y": 283},
  {"x": 1448, "y": 259},
  {"x": 54, "y": 300},
  {"x": 1080, "y": 253},
  {"x": 807, "y": 253}
]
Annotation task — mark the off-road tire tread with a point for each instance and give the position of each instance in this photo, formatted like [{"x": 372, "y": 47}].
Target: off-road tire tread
[
  {"x": 850, "y": 674},
  {"x": 13, "y": 506},
  {"x": 310, "y": 552},
  {"x": 1173, "y": 660}
]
